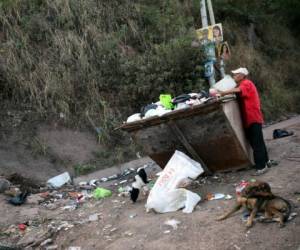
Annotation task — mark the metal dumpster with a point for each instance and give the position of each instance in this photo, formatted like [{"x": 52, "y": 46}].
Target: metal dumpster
[{"x": 210, "y": 133}]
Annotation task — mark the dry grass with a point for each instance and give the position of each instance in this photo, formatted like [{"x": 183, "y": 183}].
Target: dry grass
[{"x": 110, "y": 58}]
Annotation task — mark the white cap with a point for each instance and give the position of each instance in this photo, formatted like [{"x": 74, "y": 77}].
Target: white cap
[{"x": 243, "y": 71}]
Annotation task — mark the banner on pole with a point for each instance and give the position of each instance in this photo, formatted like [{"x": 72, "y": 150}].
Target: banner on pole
[
  {"x": 223, "y": 50},
  {"x": 213, "y": 33}
]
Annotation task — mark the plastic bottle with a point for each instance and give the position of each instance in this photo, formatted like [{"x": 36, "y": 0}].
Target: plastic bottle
[{"x": 240, "y": 187}]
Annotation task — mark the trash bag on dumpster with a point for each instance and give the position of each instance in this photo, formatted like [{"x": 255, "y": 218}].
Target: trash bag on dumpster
[{"x": 165, "y": 196}]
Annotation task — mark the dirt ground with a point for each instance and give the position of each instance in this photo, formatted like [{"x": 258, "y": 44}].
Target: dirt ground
[{"x": 123, "y": 225}]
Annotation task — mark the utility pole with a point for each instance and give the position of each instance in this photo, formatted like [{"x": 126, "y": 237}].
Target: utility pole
[
  {"x": 208, "y": 46},
  {"x": 203, "y": 13},
  {"x": 213, "y": 22},
  {"x": 211, "y": 12}
]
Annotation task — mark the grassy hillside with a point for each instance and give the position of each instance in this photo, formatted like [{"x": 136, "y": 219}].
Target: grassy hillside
[{"x": 111, "y": 57}]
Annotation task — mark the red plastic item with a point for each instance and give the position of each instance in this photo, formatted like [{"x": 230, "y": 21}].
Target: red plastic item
[
  {"x": 22, "y": 227},
  {"x": 239, "y": 188}
]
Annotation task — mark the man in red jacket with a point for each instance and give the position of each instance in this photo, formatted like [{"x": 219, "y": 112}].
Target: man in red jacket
[{"x": 252, "y": 117}]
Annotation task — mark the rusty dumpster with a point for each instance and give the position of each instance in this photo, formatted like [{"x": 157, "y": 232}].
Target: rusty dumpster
[{"x": 210, "y": 133}]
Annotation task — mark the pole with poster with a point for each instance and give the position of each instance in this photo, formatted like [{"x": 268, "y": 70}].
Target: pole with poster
[{"x": 210, "y": 37}]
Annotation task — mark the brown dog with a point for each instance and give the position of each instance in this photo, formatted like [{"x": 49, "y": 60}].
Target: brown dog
[{"x": 257, "y": 197}]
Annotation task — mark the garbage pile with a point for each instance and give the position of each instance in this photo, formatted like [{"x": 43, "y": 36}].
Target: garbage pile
[
  {"x": 60, "y": 196},
  {"x": 167, "y": 104}
]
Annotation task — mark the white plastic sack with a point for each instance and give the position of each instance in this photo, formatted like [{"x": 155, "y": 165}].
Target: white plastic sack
[
  {"x": 225, "y": 84},
  {"x": 134, "y": 117},
  {"x": 159, "y": 111},
  {"x": 59, "y": 180},
  {"x": 165, "y": 196}
]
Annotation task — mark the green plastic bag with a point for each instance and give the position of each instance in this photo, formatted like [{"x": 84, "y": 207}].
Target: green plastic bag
[
  {"x": 166, "y": 101},
  {"x": 100, "y": 193}
]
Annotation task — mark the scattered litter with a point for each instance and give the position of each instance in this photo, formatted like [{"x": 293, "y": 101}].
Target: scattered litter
[
  {"x": 74, "y": 195},
  {"x": 70, "y": 207},
  {"x": 93, "y": 182},
  {"x": 132, "y": 216},
  {"x": 167, "y": 232},
  {"x": 93, "y": 217},
  {"x": 35, "y": 199},
  {"x": 292, "y": 216},
  {"x": 113, "y": 229},
  {"x": 216, "y": 196},
  {"x": 107, "y": 227},
  {"x": 12, "y": 191},
  {"x": 4, "y": 185},
  {"x": 165, "y": 196},
  {"x": 240, "y": 187},
  {"x": 159, "y": 173},
  {"x": 237, "y": 247},
  {"x": 173, "y": 223},
  {"x": 59, "y": 180},
  {"x": 53, "y": 247},
  {"x": 279, "y": 133},
  {"x": 128, "y": 233},
  {"x": 74, "y": 248},
  {"x": 19, "y": 199},
  {"x": 46, "y": 242},
  {"x": 22, "y": 227},
  {"x": 228, "y": 197},
  {"x": 100, "y": 193}
]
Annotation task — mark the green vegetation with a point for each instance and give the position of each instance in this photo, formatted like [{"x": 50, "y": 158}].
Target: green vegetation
[
  {"x": 111, "y": 57},
  {"x": 81, "y": 169}
]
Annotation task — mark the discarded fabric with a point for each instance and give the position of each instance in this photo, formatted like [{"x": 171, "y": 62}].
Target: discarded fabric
[
  {"x": 279, "y": 133},
  {"x": 19, "y": 199}
]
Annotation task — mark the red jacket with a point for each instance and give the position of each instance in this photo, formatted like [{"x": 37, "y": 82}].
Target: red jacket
[{"x": 250, "y": 103}]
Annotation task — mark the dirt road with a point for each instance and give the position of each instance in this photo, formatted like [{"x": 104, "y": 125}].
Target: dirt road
[{"x": 123, "y": 225}]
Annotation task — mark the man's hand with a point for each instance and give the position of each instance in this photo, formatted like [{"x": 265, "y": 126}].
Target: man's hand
[
  {"x": 230, "y": 91},
  {"x": 221, "y": 93}
]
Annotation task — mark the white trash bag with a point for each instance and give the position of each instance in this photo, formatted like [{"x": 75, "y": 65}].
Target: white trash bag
[
  {"x": 165, "y": 196},
  {"x": 225, "y": 84}
]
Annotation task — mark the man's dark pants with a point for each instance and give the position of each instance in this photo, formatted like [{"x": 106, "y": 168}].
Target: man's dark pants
[{"x": 255, "y": 137}]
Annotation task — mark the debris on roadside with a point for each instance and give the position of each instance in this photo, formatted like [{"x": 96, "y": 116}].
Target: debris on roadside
[
  {"x": 165, "y": 196},
  {"x": 59, "y": 180},
  {"x": 4, "y": 185},
  {"x": 100, "y": 193},
  {"x": 172, "y": 223},
  {"x": 216, "y": 196},
  {"x": 19, "y": 199},
  {"x": 280, "y": 133}
]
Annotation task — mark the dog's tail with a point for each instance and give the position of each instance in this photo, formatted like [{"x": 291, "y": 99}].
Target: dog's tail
[{"x": 288, "y": 211}]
